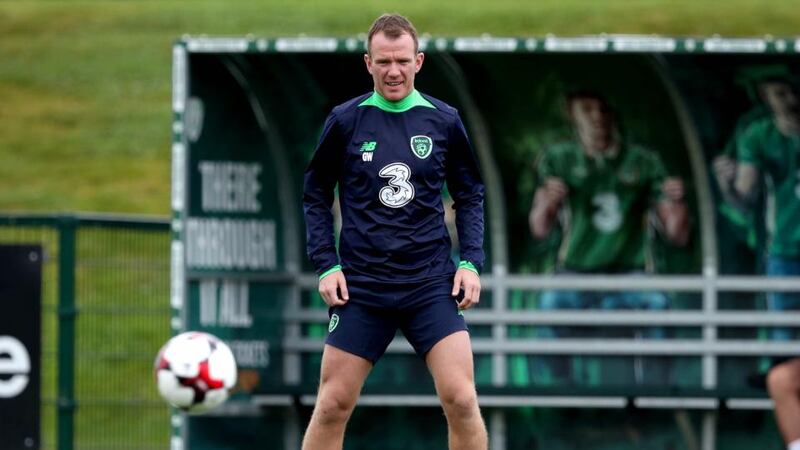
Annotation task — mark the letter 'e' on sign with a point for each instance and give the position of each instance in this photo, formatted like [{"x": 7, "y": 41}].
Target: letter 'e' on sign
[
  {"x": 20, "y": 346},
  {"x": 14, "y": 361}
]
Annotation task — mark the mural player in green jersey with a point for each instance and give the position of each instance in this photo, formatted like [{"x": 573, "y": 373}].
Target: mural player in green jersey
[
  {"x": 768, "y": 161},
  {"x": 606, "y": 192}
]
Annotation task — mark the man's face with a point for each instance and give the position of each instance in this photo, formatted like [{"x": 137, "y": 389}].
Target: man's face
[
  {"x": 393, "y": 64},
  {"x": 781, "y": 97},
  {"x": 592, "y": 117}
]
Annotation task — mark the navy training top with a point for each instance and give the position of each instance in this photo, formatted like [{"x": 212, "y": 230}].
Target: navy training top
[{"x": 390, "y": 161}]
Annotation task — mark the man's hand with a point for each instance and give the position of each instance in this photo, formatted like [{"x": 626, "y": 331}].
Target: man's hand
[
  {"x": 546, "y": 202},
  {"x": 470, "y": 282},
  {"x": 724, "y": 171},
  {"x": 673, "y": 212},
  {"x": 331, "y": 287},
  {"x": 673, "y": 189},
  {"x": 553, "y": 192},
  {"x": 740, "y": 182}
]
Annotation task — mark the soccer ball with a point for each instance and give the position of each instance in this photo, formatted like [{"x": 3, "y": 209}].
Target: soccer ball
[{"x": 194, "y": 371}]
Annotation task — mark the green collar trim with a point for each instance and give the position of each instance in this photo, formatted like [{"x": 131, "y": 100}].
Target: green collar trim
[{"x": 413, "y": 99}]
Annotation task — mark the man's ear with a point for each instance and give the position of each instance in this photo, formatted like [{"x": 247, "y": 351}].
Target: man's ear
[
  {"x": 761, "y": 90},
  {"x": 368, "y": 62},
  {"x": 420, "y": 58},
  {"x": 566, "y": 108}
]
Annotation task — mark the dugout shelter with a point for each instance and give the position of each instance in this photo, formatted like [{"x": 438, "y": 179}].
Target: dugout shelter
[{"x": 246, "y": 116}]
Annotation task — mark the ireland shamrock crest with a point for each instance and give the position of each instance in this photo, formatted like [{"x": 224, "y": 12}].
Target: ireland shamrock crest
[
  {"x": 333, "y": 323},
  {"x": 421, "y": 146}
]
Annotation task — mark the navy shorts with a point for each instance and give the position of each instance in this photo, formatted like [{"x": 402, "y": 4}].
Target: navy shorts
[{"x": 424, "y": 311}]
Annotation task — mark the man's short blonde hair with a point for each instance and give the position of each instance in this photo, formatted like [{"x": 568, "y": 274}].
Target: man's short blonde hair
[{"x": 393, "y": 26}]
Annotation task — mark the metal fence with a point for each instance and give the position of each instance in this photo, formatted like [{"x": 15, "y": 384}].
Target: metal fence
[
  {"x": 710, "y": 342},
  {"x": 105, "y": 312}
]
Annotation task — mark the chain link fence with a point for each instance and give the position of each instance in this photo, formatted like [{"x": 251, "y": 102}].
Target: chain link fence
[{"x": 105, "y": 313}]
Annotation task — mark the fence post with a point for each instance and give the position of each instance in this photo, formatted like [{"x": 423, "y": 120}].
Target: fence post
[{"x": 66, "y": 331}]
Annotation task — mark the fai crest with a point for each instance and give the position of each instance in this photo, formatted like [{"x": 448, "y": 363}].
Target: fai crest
[
  {"x": 422, "y": 146},
  {"x": 333, "y": 323}
]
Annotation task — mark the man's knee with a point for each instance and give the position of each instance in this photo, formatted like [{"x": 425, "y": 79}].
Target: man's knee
[
  {"x": 335, "y": 404},
  {"x": 460, "y": 403},
  {"x": 784, "y": 379}
]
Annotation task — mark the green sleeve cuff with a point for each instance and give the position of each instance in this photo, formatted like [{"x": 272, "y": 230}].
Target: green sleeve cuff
[
  {"x": 335, "y": 268},
  {"x": 469, "y": 266}
]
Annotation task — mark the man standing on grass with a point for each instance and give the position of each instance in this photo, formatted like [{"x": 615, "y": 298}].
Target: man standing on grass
[{"x": 390, "y": 152}]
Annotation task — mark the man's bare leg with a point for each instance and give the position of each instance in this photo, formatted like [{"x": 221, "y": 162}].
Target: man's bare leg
[
  {"x": 450, "y": 362},
  {"x": 341, "y": 379},
  {"x": 783, "y": 382}
]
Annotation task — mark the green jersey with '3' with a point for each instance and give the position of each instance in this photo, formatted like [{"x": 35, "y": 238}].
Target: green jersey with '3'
[
  {"x": 608, "y": 201},
  {"x": 776, "y": 155}
]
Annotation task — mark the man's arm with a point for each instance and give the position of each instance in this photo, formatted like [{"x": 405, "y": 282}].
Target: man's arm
[
  {"x": 673, "y": 212},
  {"x": 738, "y": 182},
  {"x": 547, "y": 202},
  {"x": 319, "y": 182},
  {"x": 739, "y": 179},
  {"x": 466, "y": 188}
]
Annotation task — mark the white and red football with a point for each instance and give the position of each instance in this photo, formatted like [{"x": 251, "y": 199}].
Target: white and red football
[{"x": 195, "y": 371}]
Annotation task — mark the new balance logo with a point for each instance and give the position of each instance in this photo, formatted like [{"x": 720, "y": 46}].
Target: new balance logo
[{"x": 366, "y": 150}]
